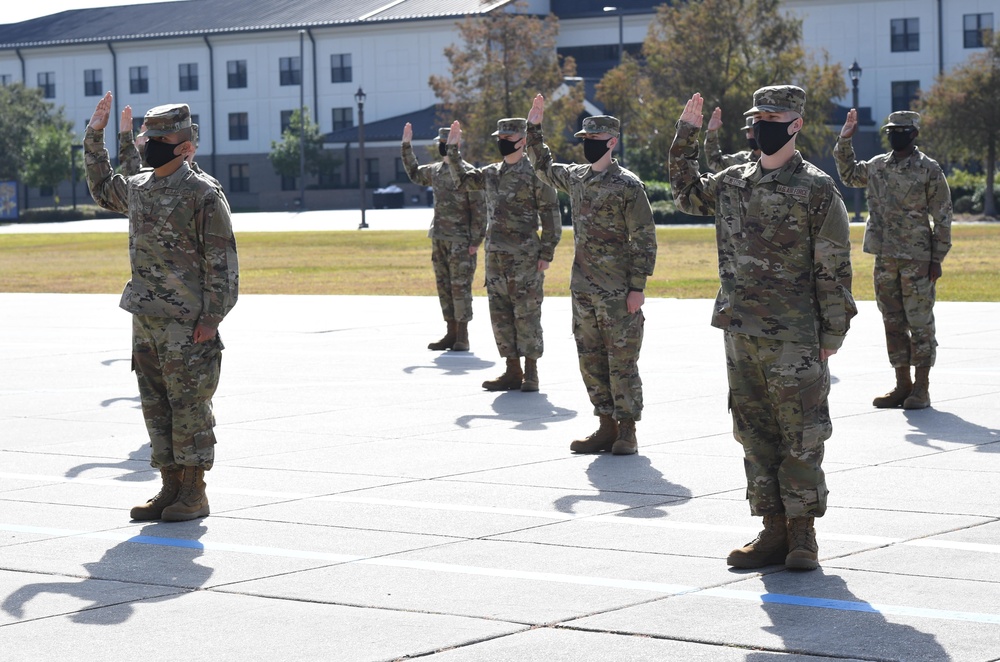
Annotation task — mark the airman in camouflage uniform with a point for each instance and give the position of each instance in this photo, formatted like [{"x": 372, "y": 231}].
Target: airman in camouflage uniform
[
  {"x": 185, "y": 279},
  {"x": 615, "y": 251},
  {"x": 516, "y": 257},
  {"x": 785, "y": 306},
  {"x": 909, "y": 232},
  {"x": 457, "y": 229},
  {"x": 713, "y": 151}
]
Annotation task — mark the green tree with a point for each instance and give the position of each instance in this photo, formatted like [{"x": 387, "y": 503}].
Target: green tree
[
  {"x": 724, "y": 49},
  {"x": 504, "y": 59},
  {"x": 22, "y": 110},
  {"x": 48, "y": 153},
  {"x": 961, "y": 116},
  {"x": 285, "y": 157}
]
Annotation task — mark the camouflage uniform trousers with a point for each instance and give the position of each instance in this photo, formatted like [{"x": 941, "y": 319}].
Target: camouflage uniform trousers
[
  {"x": 454, "y": 270},
  {"x": 905, "y": 296},
  {"x": 608, "y": 340},
  {"x": 515, "y": 288},
  {"x": 778, "y": 397},
  {"x": 177, "y": 379}
]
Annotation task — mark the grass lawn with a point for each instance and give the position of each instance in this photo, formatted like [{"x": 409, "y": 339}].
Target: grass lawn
[{"x": 398, "y": 263}]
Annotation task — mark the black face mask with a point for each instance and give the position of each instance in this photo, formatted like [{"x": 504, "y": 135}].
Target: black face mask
[
  {"x": 443, "y": 149},
  {"x": 158, "y": 154},
  {"x": 752, "y": 144},
  {"x": 594, "y": 149},
  {"x": 771, "y": 136},
  {"x": 900, "y": 140},
  {"x": 506, "y": 147}
]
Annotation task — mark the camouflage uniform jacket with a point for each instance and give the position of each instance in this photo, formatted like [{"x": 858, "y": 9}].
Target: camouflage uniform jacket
[
  {"x": 181, "y": 244},
  {"x": 784, "y": 245},
  {"x": 614, "y": 236},
  {"x": 717, "y": 160},
  {"x": 516, "y": 201},
  {"x": 903, "y": 197},
  {"x": 459, "y": 213},
  {"x": 131, "y": 161}
]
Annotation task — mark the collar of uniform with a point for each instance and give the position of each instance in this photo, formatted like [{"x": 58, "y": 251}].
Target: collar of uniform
[
  {"x": 906, "y": 161},
  {"x": 173, "y": 177},
  {"x": 782, "y": 175}
]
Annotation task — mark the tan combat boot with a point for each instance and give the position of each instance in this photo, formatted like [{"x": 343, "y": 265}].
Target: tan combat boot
[
  {"x": 770, "y": 547},
  {"x": 625, "y": 444},
  {"x": 191, "y": 502},
  {"x": 510, "y": 380},
  {"x": 152, "y": 509},
  {"x": 530, "y": 382},
  {"x": 461, "y": 337},
  {"x": 919, "y": 397},
  {"x": 896, "y": 396},
  {"x": 601, "y": 440},
  {"x": 447, "y": 341},
  {"x": 803, "y": 551}
]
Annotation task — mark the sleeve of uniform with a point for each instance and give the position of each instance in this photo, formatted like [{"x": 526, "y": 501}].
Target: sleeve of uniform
[
  {"x": 547, "y": 201},
  {"x": 477, "y": 212},
  {"x": 554, "y": 174},
  {"x": 108, "y": 189},
  {"x": 693, "y": 192},
  {"x": 713, "y": 152},
  {"x": 471, "y": 178},
  {"x": 416, "y": 173},
  {"x": 852, "y": 173},
  {"x": 641, "y": 237},
  {"x": 832, "y": 267},
  {"x": 939, "y": 207},
  {"x": 128, "y": 154},
  {"x": 219, "y": 264}
]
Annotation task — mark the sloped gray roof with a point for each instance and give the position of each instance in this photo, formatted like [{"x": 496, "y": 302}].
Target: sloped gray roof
[{"x": 199, "y": 17}]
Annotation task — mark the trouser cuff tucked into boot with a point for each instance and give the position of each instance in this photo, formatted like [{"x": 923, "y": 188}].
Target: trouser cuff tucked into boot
[
  {"x": 153, "y": 509},
  {"x": 770, "y": 547},
  {"x": 447, "y": 341},
  {"x": 510, "y": 380},
  {"x": 600, "y": 441},
  {"x": 898, "y": 394}
]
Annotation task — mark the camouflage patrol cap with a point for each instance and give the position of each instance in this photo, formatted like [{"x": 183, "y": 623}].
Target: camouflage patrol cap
[
  {"x": 749, "y": 126},
  {"x": 443, "y": 133},
  {"x": 599, "y": 124},
  {"x": 778, "y": 99},
  {"x": 510, "y": 126},
  {"x": 168, "y": 119},
  {"x": 903, "y": 118}
]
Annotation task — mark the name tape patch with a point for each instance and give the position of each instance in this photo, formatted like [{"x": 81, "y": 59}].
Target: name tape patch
[
  {"x": 797, "y": 191},
  {"x": 733, "y": 181}
]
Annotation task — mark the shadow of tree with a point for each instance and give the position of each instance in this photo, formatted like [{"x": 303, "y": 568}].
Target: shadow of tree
[
  {"x": 172, "y": 566},
  {"x": 618, "y": 479},
  {"x": 816, "y": 613},
  {"x": 530, "y": 410}
]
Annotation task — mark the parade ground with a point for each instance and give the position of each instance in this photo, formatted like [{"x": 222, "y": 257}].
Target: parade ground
[{"x": 371, "y": 502}]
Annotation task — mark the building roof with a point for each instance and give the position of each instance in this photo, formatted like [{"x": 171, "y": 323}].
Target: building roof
[
  {"x": 424, "y": 121},
  {"x": 201, "y": 17}
]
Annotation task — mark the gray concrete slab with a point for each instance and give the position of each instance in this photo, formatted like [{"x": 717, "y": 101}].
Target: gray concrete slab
[{"x": 369, "y": 490}]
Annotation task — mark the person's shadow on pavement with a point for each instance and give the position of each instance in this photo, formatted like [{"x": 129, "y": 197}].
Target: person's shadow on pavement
[
  {"x": 619, "y": 479},
  {"x": 931, "y": 425},
  {"x": 815, "y": 613},
  {"x": 453, "y": 363},
  {"x": 531, "y": 411},
  {"x": 170, "y": 567},
  {"x": 137, "y": 465}
]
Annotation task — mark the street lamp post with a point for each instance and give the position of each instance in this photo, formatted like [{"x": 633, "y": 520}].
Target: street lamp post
[
  {"x": 362, "y": 169},
  {"x": 621, "y": 58},
  {"x": 72, "y": 166},
  {"x": 855, "y": 73},
  {"x": 302, "y": 122}
]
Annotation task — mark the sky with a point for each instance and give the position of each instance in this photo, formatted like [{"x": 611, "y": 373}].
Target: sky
[{"x": 15, "y": 12}]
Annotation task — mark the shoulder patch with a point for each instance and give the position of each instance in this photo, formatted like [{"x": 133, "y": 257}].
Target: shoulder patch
[{"x": 735, "y": 181}]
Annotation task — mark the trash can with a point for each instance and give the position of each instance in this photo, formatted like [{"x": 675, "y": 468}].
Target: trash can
[{"x": 390, "y": 197}]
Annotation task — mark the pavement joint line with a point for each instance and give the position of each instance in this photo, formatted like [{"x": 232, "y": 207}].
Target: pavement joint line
[{"x": 580, "y": 580}]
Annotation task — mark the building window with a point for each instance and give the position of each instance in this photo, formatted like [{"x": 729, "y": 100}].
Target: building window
[
  {"x": 401, "y": 175},
  {"x": 239, "y": 178},
  {"x": 188, "y": 77},
  {"x": 47, "y": 84},
  {"x": 291, "y": 71},
  {"x": 288, "y": 183},
  {"x": 343, "y": 118},
  {"x": 905, "y": 34},
  {"x": 904, "y": 92},
  {"x": 340, "y": 68},
  {"x": 138, "y": 80},
  {"x": 239, "y": 126},
  {"x": 978, "y": 30},
  {"x": 286, "y": 120},
  {"x": 371, "y": 172},
  {"x": 236, "y": 73},
  {"x": 331, "y": 176},
  {"x": 92, "y": 85}
]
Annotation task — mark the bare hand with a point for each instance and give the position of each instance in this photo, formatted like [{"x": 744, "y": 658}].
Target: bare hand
[
  {"x": 824, "y": 354},
  {"x": 634, "y": 302},
  {"x": 203, "y": 332},
  {"x": 692, "y": 111},
  {"x": 407, "y": 133},
  {"x": 125, "y": 126},
  {"x": 102, "y": 113},
  {"x": 715, "y": 121},
  {"x": 537, "y": 111},
  {"x": 543, "y": 265},
  {"x": 850, "y": 125},
  {"x": 455, "y": 135}
]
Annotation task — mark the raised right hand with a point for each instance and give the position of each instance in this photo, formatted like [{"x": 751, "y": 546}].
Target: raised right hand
[
  {"x": 407, "y": 133},
  {"x": 126, "y": 122},
  {"x": 537, "y": 110},
  {"x": 455, "y": 135},
  {"x": 851, "y": 125},
  {"x": 692, "y": 110},
  {"x": 715, "y": 121},
  {"x": 102, "y": 113}
]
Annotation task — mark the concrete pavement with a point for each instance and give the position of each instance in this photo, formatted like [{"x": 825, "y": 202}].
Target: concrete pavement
[{"x": 370, "y": 502}]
